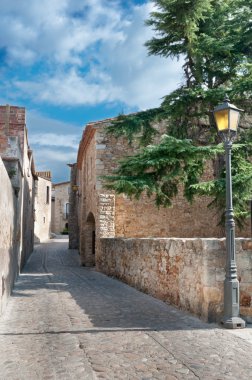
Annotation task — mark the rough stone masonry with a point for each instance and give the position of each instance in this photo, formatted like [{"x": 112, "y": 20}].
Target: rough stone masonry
[{"x": 188, "y": 273}]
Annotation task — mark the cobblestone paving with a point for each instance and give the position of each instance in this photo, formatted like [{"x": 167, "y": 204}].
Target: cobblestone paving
[{"x": 69, "y": 322}]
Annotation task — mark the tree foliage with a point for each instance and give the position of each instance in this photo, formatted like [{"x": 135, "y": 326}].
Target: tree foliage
[
  {"x": 161, "y": 169},
  {"x": 213, "y": 38}
]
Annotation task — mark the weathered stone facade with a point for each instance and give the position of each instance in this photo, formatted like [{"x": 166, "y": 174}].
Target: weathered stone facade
[
  {"x": 17, "y": 196},
  {"x": 188, "y": 273},
  {"x": 18, "y": 159},
  {"x": 98, "y": 155},
  {"x": 18, "y": 182},
  {"x": 175, "y": 253},
  {"x": 28, "y": 194},
  {"x": 9, "y": 254},
  {"x": 73, "y": 225},
  {"x": 43, "y": 206},
  {"x": 60, "y": 207}
]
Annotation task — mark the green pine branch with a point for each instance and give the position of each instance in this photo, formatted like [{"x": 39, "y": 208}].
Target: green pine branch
[{"x": 214, "y": 38}]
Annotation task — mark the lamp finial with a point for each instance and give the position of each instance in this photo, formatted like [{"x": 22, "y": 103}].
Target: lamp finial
[{"x": 227, "y": 100}]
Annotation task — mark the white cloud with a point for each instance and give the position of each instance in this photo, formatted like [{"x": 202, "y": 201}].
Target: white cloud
[
  {"x": 52, "y": 150},
  {"x": 94, "y": 51},
  {"x": 55, "y": 160},
  {"x": 56, "y": 30},
  {"x": 54, "y": 155},
  {"x": 143, "y": 79},
  {"x": 52, "y": 139},
  {"x": 68, "y": 88}
]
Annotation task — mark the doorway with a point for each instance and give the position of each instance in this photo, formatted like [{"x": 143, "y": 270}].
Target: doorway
[{"x": 90, "y": 238}]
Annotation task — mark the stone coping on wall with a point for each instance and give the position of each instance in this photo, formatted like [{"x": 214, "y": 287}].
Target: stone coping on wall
[{"x": 184, "y": 238}]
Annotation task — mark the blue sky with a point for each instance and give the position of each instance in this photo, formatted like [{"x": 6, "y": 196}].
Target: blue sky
[{"x": 70, "y": 62}]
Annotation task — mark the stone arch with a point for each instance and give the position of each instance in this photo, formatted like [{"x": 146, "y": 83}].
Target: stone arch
[{"x": 89, "y": 241}]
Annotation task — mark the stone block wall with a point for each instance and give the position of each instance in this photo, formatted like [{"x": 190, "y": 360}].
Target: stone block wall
[
  {"x": 42, "y": 225},
  {"x": 87, "y": 199},
  {"x": 12, "y": 123},
  {"x": 109, "y": 151},
  {"x": 141, "y": 218},
  {"x": 17, "y": 181},
  {"x": 73, "y": 225},
  {"x": 106, "y": 212},
  {"x": 8, "y": 236},
  {"x": 99, "y": 154},
  {"x": 188, "y": 273},
  {"x": 17, "y": 157}
]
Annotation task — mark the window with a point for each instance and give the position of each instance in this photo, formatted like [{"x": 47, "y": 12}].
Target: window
[
  {"x": 47, "y": 194},
  {"x": 67, "y": 211}
]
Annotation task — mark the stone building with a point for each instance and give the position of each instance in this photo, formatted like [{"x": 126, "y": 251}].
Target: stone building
[
  {"x": 43, "y": 206},
  {"x": 60, "y": 207},
  {"x": 17, "y": 178},
  {"x": 23, "y": 198},
  {"x": 103, "y": 214},
  {"x": 176, "y": 254}
]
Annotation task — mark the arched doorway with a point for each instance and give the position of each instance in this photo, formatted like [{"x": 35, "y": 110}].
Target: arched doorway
[{"x": 90, "y": 240}]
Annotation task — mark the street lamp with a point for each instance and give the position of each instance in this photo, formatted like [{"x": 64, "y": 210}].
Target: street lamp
[{"x": 227, "y": 118}]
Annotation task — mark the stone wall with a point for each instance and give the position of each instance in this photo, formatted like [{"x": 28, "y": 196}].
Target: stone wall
[
  {"x": 60, "y": 198},
  {"x": 8, "y": 235},
  {"x": 73, "y": 225},
  {"x": 88, "y": 202},
  {"x": 17, "y": 157},
  {"x": 142, "y": 218},
  {"x": 12, "y": 124},
  {"x": 106, "y": 216},
  {"x": 188, "y": 273},
  {"x": 27, "y": 193},
  {"x": 98, "y": 155},
  {"x": 17, "y": 181}
]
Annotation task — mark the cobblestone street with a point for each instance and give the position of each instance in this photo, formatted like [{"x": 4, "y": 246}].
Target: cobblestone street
[{"x": 69, "y": 322}]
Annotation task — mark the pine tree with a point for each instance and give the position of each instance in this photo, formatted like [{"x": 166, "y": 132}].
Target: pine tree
[{"x": 214, "y": 38}]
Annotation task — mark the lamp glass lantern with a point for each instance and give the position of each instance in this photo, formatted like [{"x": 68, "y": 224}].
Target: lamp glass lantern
[{"x": 227, "y": 117}]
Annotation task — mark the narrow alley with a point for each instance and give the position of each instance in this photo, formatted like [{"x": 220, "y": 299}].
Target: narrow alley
[{"x": 64, "y": 322}]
